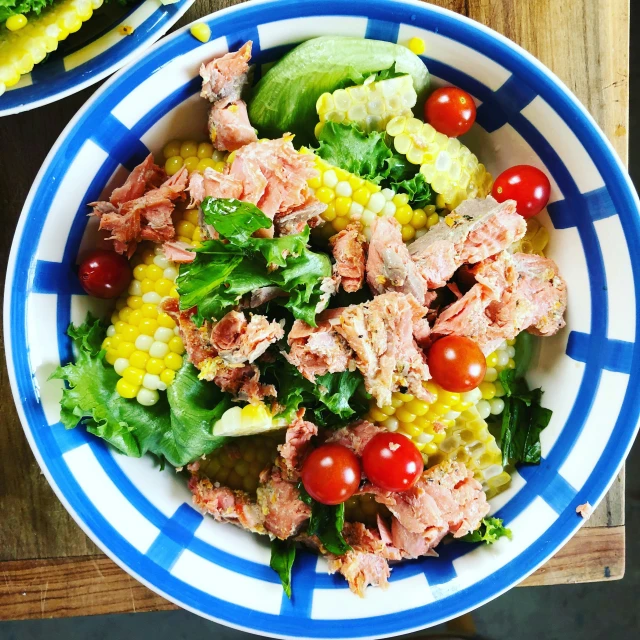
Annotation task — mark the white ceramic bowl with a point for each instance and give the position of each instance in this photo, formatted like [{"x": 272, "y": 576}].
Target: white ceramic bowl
[
  {"x": 143, "y": 519},
  {"x": 97, "y": 51}
]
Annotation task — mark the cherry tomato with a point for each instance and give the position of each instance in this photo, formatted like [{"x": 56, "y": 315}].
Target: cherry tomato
[
  {"x": 525, "y": 184},
  {"x": 331, "y": 474},
  {"x": 451, "y": 111},
  {"x": 392, "y": 462},
  {"x": 104, "y": 274},
  {"x": 456, "y": 363}
]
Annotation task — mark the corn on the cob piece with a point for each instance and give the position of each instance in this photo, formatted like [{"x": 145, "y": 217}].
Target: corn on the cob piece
[
  {"x": 238, "y": 464},
  {"x": 453, "y": 172},
  {"x": 350, "y": 198},
  {"x": 191, "y": 154},
  {"x": 369, "y": 105},
  {"x": 534, "y": 241},
  {"x": 423, "y": 421},
  {"x": 20, "y": 50},
  {"x": 470, "y": 442},
  {"x": 143, "y": 344}
]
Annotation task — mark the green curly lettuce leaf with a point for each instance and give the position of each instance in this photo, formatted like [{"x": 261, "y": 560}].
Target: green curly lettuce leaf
[{"x": 178, "y": 427}]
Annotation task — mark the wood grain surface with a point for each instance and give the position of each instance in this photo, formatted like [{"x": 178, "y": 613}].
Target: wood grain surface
[{"x": 45, "y": 555}]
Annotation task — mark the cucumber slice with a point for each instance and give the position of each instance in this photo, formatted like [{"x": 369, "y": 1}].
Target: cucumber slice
[{"x": 285, "y": 98}]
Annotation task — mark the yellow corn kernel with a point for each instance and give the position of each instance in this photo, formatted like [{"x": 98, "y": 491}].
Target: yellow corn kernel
[
  {"x": 149, "y": 310},
  {"x": 324, "y": 194},
  {"x": 129, "y": 333},
  {"x": 163, "y": 286},
  {"x": 126, "y": 389},
  {"x": 148, "y": 326},
  {"x": 488, "y": 390},
  {"x": 417, "y": 407},
  {"x": 133, "y": 375},
  {"x": 315, "y": 182},
  {"x": 220, "y": 165},
  {"x": 147, "y": 285},
  {"x": 135, "y": 317},
  {"x": 16, "y": 22},
  {"x": 433, "y": 219},
  {"x": 191, "y": 163},
  {"x": 125, "y": 349},
  {"x": 330, "y": 212},
  {"x": 492, "y": 359},
  {"x": 377, "y": 415},
  {"x": 154, "y": 272},
  {"x": 410, "y": 429},
  {"x": 404, "y": 415},
  {"x": 124, "y": 314},
  {"x": 173, "y": 361},
  {"x": 342, "y": 205},
  {"x": 165, "y": 320},
  {"x": 173, "y": 165},
  {"x": 388, "y": 410},
  {"x": 140, "y": 272},
  {"x": 511, "y": 364},
  {"x": 416, "y": 45},
  {"x": 174, "y": 293},
  {"x": 404, "y": 213},
  {"x": 139, "y": 359},
  {"x": 408, "y": 233},
  {"x": 205, "y": 150},
  {"x": 155, "y": 366},
  {"x": 185, "y": 228},
  {"x": 134, "y": 302},
  {"x": 418, "y": 219},
  {"x": 201, "y": 31},
  {"x": 111, "y": 356},
  {"x": 171, "y": 149},
  {"x": 191, "y": 215},
  {"x": 188, "y": 148},
  {"x": 206, "y": 163},
  {"x": 167, "y": 376},
  {"x": 340, "y": 224}
]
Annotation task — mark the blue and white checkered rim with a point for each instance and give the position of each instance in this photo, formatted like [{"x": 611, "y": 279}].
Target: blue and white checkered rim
[
  {"x": 70, "y": 70},
  {"x": 224, "y": 577}
]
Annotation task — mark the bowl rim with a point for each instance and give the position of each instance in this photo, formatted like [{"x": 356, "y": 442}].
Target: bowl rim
[
  {"x": 512, "y": 50},
  {"x": 74, "y": 80}
]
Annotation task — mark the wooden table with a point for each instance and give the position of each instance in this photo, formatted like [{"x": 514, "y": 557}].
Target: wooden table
[{"x": 50, "y": 568}]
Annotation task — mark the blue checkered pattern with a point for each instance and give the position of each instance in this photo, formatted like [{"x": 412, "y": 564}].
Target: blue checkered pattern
[
  {"x": 178, "y": 532},
  {"x": 50, "y": 80}
]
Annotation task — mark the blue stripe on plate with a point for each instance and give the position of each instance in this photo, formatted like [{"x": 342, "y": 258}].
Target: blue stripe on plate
[
  {"x": 119, "y": 142},
  {"x": 175, "y": 536},
  {"x": 302, "y": 586},
  {"x": 558, "y": 494},
  {"x": 56, "y": 277},
  {"x": 382, "y": 30},
  {"x": 513, "y": 96},
  {"x": 596, "y": 204},
  {"x": 617, "y": 354},
  {"x": 68, "y": 439}
]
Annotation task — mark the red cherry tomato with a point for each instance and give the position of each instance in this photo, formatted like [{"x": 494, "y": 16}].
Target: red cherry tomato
[
  {"x": 104, "y": 274},
  {"x": 456, "y": 363},
  {"x": 392, "y": 462},
  {"x": 451, "y": 111},
  {"x": 331, "y": 474},
  {"x": 525, "y": 184}
]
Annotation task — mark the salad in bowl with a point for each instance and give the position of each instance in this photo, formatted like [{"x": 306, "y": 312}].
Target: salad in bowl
[{"x": 324, "y": 311}]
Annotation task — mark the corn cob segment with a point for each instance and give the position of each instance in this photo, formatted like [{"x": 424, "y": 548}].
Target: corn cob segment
[
  {"x": 370, "y": 105},
  {"x": 534, "y": 241},
  {"x": 430, "y": 424},
  {"x": 350, "y": 198},
  {"x": 23, "y": 48},
  {"x": 469, "y": 441},
  {"x": 448, "y": 166},
  {"x": 237, "y": 465},
  {"x": 193, "y": 155}
]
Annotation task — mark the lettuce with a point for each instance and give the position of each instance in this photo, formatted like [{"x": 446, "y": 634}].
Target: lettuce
[
  {"x": 326, "y": 522},
  {"x": 10, "y": 8},
  {"x": 523, "y": 419},
  {"x": 177, "y": 427},
  {"x": 285, "y": 98},
  {"x": 368, "y": 156},
  {"x": 347, "y": 147},
  {"x": 227, "y": 269},
  {"x": 332, "y": 401},
  {"x": 283, "y": 555},
  {"x": 418, "y": 189},
  {"x": 489, "y": 531}
]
